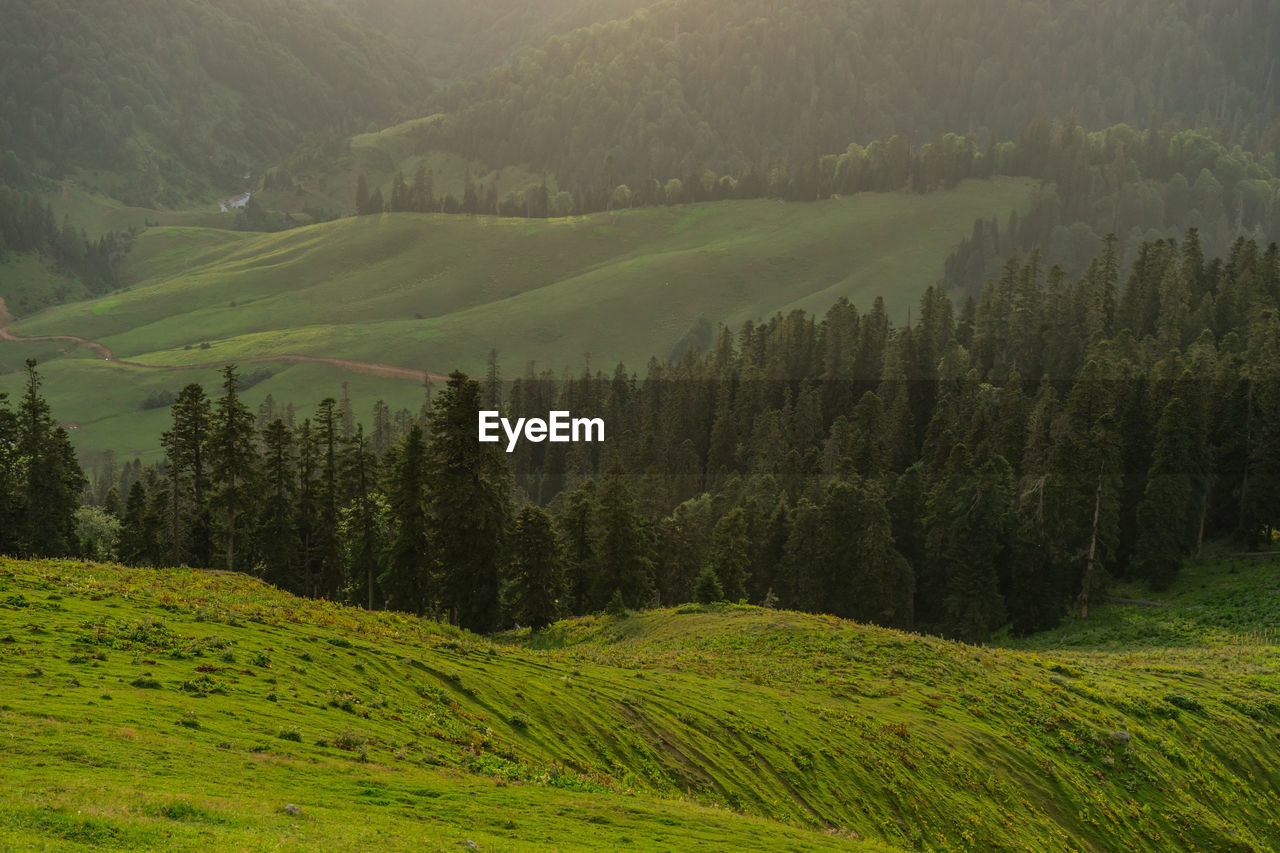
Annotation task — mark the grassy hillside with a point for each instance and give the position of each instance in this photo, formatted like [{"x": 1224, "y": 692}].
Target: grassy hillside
[
  {"x": 206, "y": 703},
  {"x": 437, "y": 292},
  {"x": 1216, "y": 600}
]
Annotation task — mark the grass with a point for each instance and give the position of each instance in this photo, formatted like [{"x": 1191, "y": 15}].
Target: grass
[
  {"x": 1217, "y": 599},
  {"x": 29, "y": 282},
  {"x": 437, "y": 292},
  {"x": 708, "y": 727}
]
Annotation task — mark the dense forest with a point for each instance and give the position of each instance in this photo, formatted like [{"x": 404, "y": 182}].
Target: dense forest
[
  {"x": 459, "y": 40},
  {"x": 991, "y": 466},
  {"x": 171, "y": 96},
  {"x": 731, "y": 86}
]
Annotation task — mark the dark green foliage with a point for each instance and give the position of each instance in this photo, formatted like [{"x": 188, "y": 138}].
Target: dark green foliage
[
  {"x": 623, "y": 564},
  {"x": 535, "y": 583},
  {"x": 721, "y": 89},
  {"x": 406, "y": 580},
  {"x": 729, "y": 556},
  {"x": 707, "y": 588},
  {"x": 42, "y": 474},
  {"x": 468, "y": 504},
  {"x": 277, "y": 533},
  {"x": 1167, "y": 513},
  {"x": 177, "y": 94},
  {"x": 234, "y": 468}
]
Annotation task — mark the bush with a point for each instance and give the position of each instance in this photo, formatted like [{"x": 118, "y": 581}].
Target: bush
[
  {"x": 707, "y": 588},
  {"x": 1186, "y": 703},
  {"x": 290, "y": 733}
]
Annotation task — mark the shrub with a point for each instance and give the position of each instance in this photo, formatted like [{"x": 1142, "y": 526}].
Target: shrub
[
  {"x": 290, "y": 733},
  {"x": 146, "y": 682},
  {"x": 1186, "y": 703},
  {"x": 189, "y": 719},
  {"x": 351, "y": 740}
]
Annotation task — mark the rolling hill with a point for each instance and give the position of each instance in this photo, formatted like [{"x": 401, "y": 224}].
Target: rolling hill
[
  {"x": 208, "y": 704},
  {"x": 437, "y": 292}
]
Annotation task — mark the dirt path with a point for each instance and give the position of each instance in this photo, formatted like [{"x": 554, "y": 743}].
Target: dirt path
[{"x": 387, "y": 371}]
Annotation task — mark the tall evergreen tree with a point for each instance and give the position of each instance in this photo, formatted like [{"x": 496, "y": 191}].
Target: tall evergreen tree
[
  {"x": 51, "y": 475},
  {"x": 623, "y": 565},
  {"x": 277, "y": 534},
  {"x": 406, "y": 577},
  {"x": 233, "y": 463},
  {"x": 533, "y": 593},
  {"x": 468, "y": 500},
  {"x": 730, "y": 554}
]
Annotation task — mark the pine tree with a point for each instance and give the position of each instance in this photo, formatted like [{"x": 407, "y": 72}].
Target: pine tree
[
  {"x": 11, "y": 479},
  {"x": 188, "y": 534},
  {"x": 968, "y": 520},
  {"x": 328, "y": 548},
  {"x": 277, "y": 534},
  {"x": 1167, "y": 513},
  {"x": 52, "y": 477},
  {"x": 707, "y": 589},
  {"x": 364, "y": 521},
  {"x": 730, "y": 554},
  {"x": 233, "y": 463},
  {"x": 623, "y": 565},
  {"x": 533, "y": 594},
  {"x": 362, "y": 195},
  {"x": 577, "y": 525},
  {"x": 468, "y": 500},
  {"x": 136, "y": 545},
  {"x": 406, "y": 578}
]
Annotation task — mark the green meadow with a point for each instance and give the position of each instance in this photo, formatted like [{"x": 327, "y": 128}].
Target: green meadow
[
  {"x": 143, "y": 708},
  {"x": 436, "y": 292}
]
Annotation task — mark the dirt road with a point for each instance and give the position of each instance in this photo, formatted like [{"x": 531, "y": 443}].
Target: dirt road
[{"x": 388, "y": 371}]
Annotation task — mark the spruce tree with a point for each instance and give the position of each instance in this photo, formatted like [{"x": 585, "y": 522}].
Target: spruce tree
[
  {"x": 623, "y": 565},
  {"x": 233, "y": 464},
  {"x": 278, "y": 544},
  {"x": 707, "y": 589},
  {"x": 535, "y": 582},
  {"x": 1167, "y": 513},
  {"x": 364, "y": 521},
  {"x": 406, "y": 578},
  {"x": 730, "y": 554},
  {"x": 188, "y": 528},
  {"x": 51, "y": 476},
  {"x": 468, "y": 499}
]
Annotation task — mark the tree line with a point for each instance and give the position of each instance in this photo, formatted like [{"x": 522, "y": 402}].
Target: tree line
[
  {"x": 734, "y": 85},
  {"x": 991, "y": 465},
  {"x": 1141, "y": 186},
  {"x": 28, "y": 225}
]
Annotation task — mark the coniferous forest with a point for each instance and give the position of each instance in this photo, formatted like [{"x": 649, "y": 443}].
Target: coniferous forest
[
  {"x": 929, "y": 353},
  {"x": 996, "y": 463}
]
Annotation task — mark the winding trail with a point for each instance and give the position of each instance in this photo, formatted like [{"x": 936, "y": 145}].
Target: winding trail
[{"x": 387, "y": 371}]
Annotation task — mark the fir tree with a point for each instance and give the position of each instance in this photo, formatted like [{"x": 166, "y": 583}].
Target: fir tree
[
  {"x": 233, "y": 463},
  {"x": 535, "y": 583},
  {"x": 406, "y": 580},
  {"x": 707, "y": 589},
  {"x": 468, "y": 500}
]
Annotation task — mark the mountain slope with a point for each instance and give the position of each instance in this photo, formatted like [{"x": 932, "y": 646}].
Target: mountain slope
[
  {"x": 437, "y": 292},
  {"x": 609, "y": 731},
  {"x": 156, "y": 99},
  {"x": 732, "y": 86}
]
